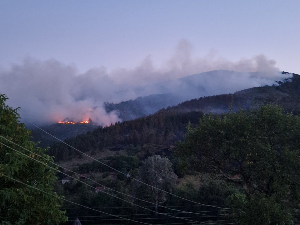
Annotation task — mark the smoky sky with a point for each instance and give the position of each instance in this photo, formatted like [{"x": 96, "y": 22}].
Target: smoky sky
[{"x": 49, "y": 91}]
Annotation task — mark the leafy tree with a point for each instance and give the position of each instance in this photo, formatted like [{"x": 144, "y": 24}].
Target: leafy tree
[
  {"x": 19, "y": 202},
  {"x": 158, "y": 173},
  {"x": 257, "y": 150}
]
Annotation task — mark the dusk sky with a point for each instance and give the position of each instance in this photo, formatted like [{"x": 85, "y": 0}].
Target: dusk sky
[
  {"x": 62, "y": 58},
  {"x": 120, "y": 34}
]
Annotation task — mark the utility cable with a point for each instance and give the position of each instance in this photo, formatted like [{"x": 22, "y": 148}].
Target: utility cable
[
  {"x": 165, "y": 214},
  {"x": 176, "y": 210},
  {"x": 127, "y": 175},
  {"x": 75, "y": 202}
]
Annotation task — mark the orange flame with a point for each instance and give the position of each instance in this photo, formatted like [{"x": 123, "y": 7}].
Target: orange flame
[{"x": 72, "y": 122}]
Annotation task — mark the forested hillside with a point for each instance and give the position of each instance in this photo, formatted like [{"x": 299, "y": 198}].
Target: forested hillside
[
  {"x": 286, "y": 93},
  {"x": 190, "y": 87},
  {"x": 154, "y": 133},
  {"x": 119, "y": 153},
  {"x": 164, "y": 128}
]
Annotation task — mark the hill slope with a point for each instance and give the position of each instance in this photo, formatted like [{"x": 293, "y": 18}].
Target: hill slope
[
  {"x": 286, "y": 94},
  {"x": 152, "y": 134},
  {"x": 176, "y": 91}
]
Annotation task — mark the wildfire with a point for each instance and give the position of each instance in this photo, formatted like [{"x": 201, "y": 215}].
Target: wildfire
[
  {"x": 72, "y": 122},
  {"x": 66, "y": 122}
]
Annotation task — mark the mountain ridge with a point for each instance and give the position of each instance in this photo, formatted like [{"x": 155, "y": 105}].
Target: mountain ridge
[
  {"x": 157, "y": 133},
  {"x": 184, "y": 89},
  {"x": 137, "y": 108}
]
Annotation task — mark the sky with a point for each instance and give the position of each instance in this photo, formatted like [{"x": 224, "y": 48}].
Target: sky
[
  {"x": 118, "y": 34},
  {"x": 115, "y": 43}
]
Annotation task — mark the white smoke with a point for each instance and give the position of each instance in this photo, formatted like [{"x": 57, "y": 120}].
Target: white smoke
[{"x": 49, "y": 91}]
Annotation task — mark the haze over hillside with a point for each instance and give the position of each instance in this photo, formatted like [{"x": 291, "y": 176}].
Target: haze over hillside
[
  {"x": 194, "y": 86},
  {"x": 49, "y": 91},
  {"x": 285, "y": 93}
]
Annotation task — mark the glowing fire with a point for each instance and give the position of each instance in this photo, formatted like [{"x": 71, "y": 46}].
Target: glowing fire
[{"x": 72, "y": 122}]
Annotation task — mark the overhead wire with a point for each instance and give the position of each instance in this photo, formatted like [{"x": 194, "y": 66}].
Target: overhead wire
[
  {"x": 165, "y": 214},
  {"x": 127, "y": 175},
  {"x": 75, "y": 202},
  {"x": 93, "y": 209},
  {"x": 133, "y": 197}
]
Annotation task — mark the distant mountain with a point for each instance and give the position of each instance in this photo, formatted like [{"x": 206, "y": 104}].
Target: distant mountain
[
  {"x": 194, "y": 86},
  {"x": 285, "y": 93},
  {"x": 157, "y": 133},
  {"x": 142, "y": 106}
]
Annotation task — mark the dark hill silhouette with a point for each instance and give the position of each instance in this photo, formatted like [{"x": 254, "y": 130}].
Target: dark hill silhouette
[
  {"x": 286, "y": 94},
  {"x": 160, "y": 131},
  {"x": 193, "y": 86}
]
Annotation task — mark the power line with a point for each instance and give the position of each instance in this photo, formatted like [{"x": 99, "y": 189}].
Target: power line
[
  {"x": 127, "y": 175},
  {"x": 166, "y": 214},
  {"x": 120, "y": 217},
  {"x": 181, "y": 211},
  {"x": 75, "y": 202}
]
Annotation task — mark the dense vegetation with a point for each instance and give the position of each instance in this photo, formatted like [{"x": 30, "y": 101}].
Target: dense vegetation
[
  {"x": 116, "y": 194},
  {"x": 251, "y": 178},
  {"x": 26, "y": 182},
  {"x": 258, "y": 151},
  {"x": 250, "y": 159},
  {"x": 145, "y": 135}
]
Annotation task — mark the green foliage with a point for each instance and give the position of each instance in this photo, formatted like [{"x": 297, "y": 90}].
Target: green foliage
[
  {"x": 158, "y": 173},
  {"x": 215, "y": 193},
  {"x": 121, "y": 163},
  {"x": 19, "y": 203},
  {"x": 258, "y": 151},
  {"x": 258, "y": 210}
]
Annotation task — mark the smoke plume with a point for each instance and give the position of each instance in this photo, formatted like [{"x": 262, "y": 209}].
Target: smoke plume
[{"x": 49, "y": 91}]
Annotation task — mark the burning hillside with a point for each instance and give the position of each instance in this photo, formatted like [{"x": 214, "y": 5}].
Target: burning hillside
[{"x": 67, "y": 121}]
